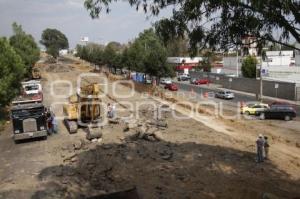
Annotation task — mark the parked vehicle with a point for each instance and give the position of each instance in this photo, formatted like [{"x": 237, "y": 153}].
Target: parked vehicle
[
  {"x": 171, "y": 87},
  {"x": 202, "y": 81},
  {"x": 28, "y": 119},
  {"x": 165, "y": 81},
  {"x": 193, "y": 80},
  {"x": 283, "y": 104},
  {"x": 148, "y": 81},
  {"x": 183, "y": 77},
  {"x": 278, "y": 112},
  {"x": 32, "y": 89},
  {"x": 280, "y": 103},
  {"x": 224, "y": 95},
  {"x": 254, "y": 109}
]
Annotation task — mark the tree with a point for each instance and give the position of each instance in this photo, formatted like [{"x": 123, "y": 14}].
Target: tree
[
  {"x": 209, "y": 57},
  {"x": 12, "y": 71},
  {"x": 109, "y": 55},
  {"x": 176, "y": 46},
  {"x": 220, "y": 24},
  {"x": 54, "y": 40},
  {"x": 249, "y": 67},
  {"x": 25, "y": 46},
  {"x": 147, "y": 54}
]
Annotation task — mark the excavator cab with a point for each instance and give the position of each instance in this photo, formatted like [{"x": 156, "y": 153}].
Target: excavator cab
[{"x": 84, "y": 109}]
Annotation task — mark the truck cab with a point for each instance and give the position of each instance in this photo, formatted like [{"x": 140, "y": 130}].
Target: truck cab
[{"x": 28, "y": 120}]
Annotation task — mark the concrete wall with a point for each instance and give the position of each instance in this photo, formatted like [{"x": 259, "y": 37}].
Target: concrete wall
[
  {"x": 285, "y": 90},
  {"x": 230, "y": 65},
  {"x": 297, "y": 60},
  {"x": 280, "y": 71}
]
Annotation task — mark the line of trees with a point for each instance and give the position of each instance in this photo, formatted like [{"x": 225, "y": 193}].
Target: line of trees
[
  {"x": 146, "y": 54},
  {"x": 18, "y": 54}
]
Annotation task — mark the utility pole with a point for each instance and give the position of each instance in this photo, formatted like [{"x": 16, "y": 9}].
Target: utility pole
[
  {"x": 260, "y": 83},
  {"x": 237, "y": 62}
]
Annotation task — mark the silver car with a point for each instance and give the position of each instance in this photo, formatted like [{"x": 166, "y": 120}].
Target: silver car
[{"x": 224, "y": 95}]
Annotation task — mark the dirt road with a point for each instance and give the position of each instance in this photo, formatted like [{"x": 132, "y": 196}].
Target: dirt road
[{"x": 199, "y": 157}]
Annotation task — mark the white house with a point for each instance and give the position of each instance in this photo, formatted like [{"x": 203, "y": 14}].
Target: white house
[{"x": 280, "y": 58}]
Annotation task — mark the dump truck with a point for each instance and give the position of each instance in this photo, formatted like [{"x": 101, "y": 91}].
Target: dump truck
[
  {"x": 84, "y": 110},
  {"x": 28, "y": 119}
]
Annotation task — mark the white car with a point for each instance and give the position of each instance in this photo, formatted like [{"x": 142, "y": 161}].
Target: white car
[
  {"x": 224, "y": 95},
  {"x": 183, "y": 77},
  {"x": 165, "y": 81}
]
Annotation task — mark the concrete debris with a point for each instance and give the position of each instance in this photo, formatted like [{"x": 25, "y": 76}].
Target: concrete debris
[
  {"x": 130, "y": 125},
  {"x": 158, "y": 135},
  {"x": 58, "y": 68},
  {"x": 131, "y": 135},
  {"x": 77, "y": 145},
  {"x": 114, "y": 121},
  {"x": 147, "y": 130},
  {"x": 70, "y": 158},
  {"x": 94, "y": 140}
]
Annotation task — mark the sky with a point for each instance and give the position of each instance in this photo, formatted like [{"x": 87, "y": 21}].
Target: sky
[{"x": 122, "y": 24}]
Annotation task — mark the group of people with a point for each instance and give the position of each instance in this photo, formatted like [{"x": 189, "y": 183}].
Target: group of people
[
  {"x": 52, "y": 125},
  {"x": 111, "y": 110},
  {"x": 262, "y": 146}
]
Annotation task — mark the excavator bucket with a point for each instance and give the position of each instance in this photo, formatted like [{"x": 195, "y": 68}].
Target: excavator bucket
[{"x": 93, "y": 132}]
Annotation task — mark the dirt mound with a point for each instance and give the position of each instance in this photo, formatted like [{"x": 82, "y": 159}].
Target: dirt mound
[{"x": 58, "y": 68}]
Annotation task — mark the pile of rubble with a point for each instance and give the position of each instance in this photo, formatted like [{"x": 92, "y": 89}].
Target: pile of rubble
[
  {"x": 58, "y": 68},
  {"x": 147, "y": 130}
]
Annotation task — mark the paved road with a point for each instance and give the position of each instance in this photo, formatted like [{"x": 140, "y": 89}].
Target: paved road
[{"x": 187, "y": 87}]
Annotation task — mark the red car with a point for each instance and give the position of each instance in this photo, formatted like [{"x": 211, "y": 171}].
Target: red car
[
  {"x": 202, "y": 81},
  {"x": 171, "y": 87}
]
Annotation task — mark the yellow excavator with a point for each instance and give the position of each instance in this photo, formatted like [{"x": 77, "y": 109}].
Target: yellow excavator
[{"x": 84, "y": 110}]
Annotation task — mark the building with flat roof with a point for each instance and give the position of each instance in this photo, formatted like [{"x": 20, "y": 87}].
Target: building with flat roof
[{"x": 184, "y": 64}]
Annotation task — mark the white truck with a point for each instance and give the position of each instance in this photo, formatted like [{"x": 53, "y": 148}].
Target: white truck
[{"x": 33, "y": 89}]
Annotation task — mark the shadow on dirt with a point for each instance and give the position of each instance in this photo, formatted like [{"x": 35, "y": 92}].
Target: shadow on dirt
[{"x": 165, "y": 170}]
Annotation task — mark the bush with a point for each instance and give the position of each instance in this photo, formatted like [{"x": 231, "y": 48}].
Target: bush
[{"x": 249, "y": 67}]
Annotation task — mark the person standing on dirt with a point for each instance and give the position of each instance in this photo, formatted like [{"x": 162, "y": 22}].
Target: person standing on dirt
[
  {"x": 113, "y": 111},
  {"x": 260, "y": 142},
  {"x": 109, "y": 110},
  {"x": 49, "y": 123},
  {"x": 266, "y": 147},
  {"x": 54, "y": 124}
]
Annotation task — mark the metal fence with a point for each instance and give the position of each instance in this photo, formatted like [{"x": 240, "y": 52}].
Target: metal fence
[
  {"x": 298, "y": 93},
  {"x": 271, "y": 88}
]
